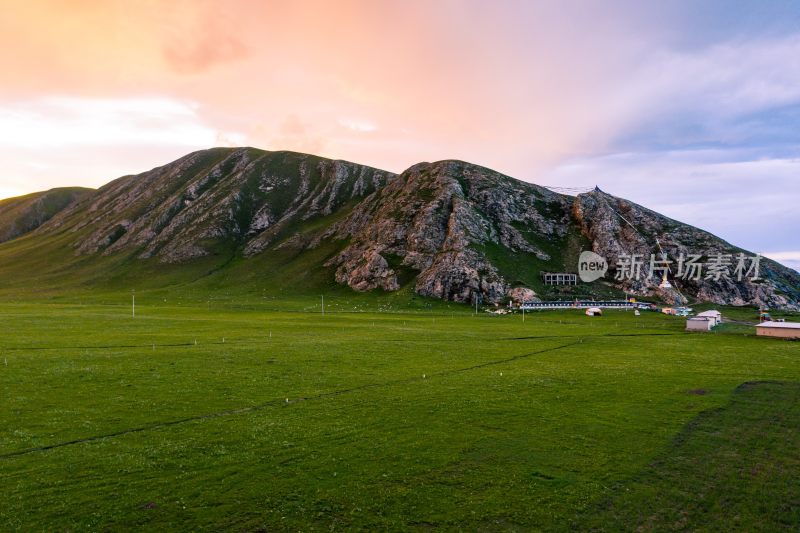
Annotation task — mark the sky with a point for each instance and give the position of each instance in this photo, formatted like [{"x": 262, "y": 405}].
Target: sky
[{"x": 690, "y": 108}]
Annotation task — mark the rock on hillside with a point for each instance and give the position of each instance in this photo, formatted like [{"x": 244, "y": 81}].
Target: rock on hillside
[
  {"x": 214, "y": 199},
  {"x": 451, "y": 229},
  {"x": 617, "y": 227},
  {"x": 436, "y": 219},
  {"x": 24, "y": 214},
  {"x": 455, "y": 226}
]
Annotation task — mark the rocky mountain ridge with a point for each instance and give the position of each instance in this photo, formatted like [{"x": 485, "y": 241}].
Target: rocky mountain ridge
[
  {"x": 449, "y": 229},
  {"x": 213, "y": 199}
]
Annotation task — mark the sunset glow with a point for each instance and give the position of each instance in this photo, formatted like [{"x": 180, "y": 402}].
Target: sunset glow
[{"x": 640, "y": 100}]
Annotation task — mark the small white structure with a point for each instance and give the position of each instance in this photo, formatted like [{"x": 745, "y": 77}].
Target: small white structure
[
  {"x": 699, "y": 323},
  {"x": 784, "y": 330},
  {"x": 594, "y": 311},
  {"x": 713, "y": 314},
  {"x": 559, "y": 278}
]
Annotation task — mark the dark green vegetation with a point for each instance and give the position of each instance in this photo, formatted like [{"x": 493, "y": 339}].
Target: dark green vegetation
[
  {"x": 727, "y": 470},
  {"x": 179, "y": 420},
  {"x": 23, "y": 214}
]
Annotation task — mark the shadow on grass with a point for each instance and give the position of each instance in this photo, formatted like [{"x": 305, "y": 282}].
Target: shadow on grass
[{"x": 734, "y": 468}]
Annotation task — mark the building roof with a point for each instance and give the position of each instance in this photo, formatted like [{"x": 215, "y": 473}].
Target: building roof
[
  {"x": 699, "y": 318},
  {"x": 712, "y": 312},
  {"x": 789, "y": 325}
]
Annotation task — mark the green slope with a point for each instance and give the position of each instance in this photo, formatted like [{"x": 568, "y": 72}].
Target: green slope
[
  {"x": 49, "y": 264},
  {"x": 47, "y": 268},
  {"x": 24, "y": 214}
]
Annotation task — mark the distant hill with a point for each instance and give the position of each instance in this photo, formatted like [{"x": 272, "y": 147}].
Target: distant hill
[
  {"x": 24, "y": 214},
  {"x": 450, "y": 230}
]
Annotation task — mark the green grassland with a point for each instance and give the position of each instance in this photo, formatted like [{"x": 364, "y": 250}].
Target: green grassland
[{"x": 217, "y": 409}]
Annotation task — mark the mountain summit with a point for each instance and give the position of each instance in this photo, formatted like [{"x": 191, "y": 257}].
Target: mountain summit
[
  {"x": 449, "y": 229},
  {"x": 213, "y": 200}
]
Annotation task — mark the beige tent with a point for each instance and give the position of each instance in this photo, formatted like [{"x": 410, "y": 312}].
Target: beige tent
[
  {"x": 594, "y": 311},
  {"x": 784, "y": 330}
]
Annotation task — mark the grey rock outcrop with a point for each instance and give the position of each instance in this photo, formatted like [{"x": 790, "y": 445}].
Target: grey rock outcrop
[
  {"x": 617, "y": 227},
  {"x": 435, "y": 219}
]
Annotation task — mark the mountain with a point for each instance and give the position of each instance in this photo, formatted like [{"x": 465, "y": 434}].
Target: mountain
[
  {"x": 212, "y": 200},
  {"x": 451, "y": 225},
  {"x": 461, "y": 230},
  {"x": 617, "y": 227},
  {"x": 23, "y": 214},
  {"x": 450, "y": 230}
]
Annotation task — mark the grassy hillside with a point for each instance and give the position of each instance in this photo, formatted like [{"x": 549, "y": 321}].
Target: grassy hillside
[
  {"x": 23, "y": 214},
  {"x": 47, "y": 269},
  {"x": 244, "y": 222},
  {"x": 228, "y": 416}
]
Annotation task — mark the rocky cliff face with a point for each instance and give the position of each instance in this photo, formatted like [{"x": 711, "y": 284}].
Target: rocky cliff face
[
  {"x": 442, "y": 220},
  {"x": 619, "y": 228},
  {"x": 214, "y": 199},
  {"x": 453, "y": 230},
  {"x": 435, "y": 219},
  {"x": 24, "y": 214}
]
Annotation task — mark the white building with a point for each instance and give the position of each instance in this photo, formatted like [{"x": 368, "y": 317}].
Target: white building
[
  {"x": 713, "y": 315},
  {"x": 699, "y": 323}
]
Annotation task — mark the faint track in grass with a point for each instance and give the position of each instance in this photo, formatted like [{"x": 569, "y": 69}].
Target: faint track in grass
[
  {"x": 534, "y": 337},
  {"x": 279, "y": 403},
  {"x": 591, "y": 336},
  {"x": 267, "y": 342}
]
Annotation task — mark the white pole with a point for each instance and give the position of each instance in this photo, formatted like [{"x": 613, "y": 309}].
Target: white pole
[
  {"x": 133, "y": 303},
  {"x": 323, "y": 305}
]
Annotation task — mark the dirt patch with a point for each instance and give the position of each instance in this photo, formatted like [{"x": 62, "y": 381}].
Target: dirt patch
[{"x": 698, "y": 392}]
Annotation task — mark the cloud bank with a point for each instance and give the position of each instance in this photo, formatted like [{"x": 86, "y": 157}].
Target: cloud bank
[{"x": 688, "y": 108}]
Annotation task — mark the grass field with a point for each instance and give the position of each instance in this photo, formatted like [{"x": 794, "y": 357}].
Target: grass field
[{"x": 200, "y": 414}]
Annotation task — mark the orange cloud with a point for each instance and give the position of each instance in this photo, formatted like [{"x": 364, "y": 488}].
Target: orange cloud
[{"x": 506, "y": 86}]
